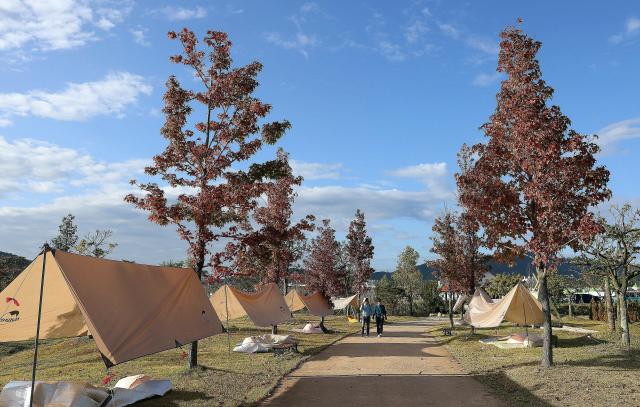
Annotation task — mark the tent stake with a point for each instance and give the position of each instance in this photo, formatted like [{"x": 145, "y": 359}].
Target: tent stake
[
  {"x": 226, "y": 306},
  {"x": 45, "y": 249}
]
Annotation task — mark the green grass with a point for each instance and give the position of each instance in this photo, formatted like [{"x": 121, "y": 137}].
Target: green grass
[
  {"x": 224, "y": 379},
  {"x": 588, "y": 371}
]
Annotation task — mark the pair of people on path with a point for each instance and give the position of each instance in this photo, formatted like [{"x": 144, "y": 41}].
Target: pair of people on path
[{"x": 379, "y": 312}]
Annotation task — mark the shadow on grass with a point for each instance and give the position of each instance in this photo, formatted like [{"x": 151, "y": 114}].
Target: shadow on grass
[
  {"x": 619, "y": 360},
  {"x": 175, "y": 398},
  {"x": 407, "y": 390},
  {"x": 509, "y": 391}
]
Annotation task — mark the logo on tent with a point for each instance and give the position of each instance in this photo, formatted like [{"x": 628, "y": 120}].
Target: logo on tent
[
  {"x": 11, "y": 316},
  {"x": 13, "y": 300}
]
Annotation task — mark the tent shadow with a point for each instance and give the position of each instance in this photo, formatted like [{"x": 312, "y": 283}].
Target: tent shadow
[
  {"x": 405, "y": 390},
  {"x": 615, "y": 361},
  {"x": 511, "y": 392},
  {"x": 175, "y": 398},
  {"x": 388, "y": 349}
]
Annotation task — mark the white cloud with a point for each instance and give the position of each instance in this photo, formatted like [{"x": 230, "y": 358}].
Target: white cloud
[
  {"x": 316, "y": 171},
  {"x": 309, "y": 7},
  {"x": 449, "y": 30},
  {"x": 180, "y": 13},
  {"x": 140, "y": 37},
  {"x": 433, "y": 175},
  {"x": 631, "y": 29},
  {"x": 482, "y": 44},
  {"x": 78, "y": 101},
  {"x": 56, "y": 24},
  {"x": 414, "y": 32},
  {"x": 29, "y": 165},
  {"x": 610, "y": 135},
  {"x": 484, "y": 79},
  {"x": 299, "y": 42},
  {"x": 339, "y": 203},
  {"x": 24, "y": 229},
  {"x": 478, "y": 43},
  {"x": 421, "y": 171}
]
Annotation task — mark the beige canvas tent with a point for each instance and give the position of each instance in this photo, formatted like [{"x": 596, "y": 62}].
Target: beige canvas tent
[
  {"x": 518, "y": 306},
  {"x": 315, "y": 303},
  {"x": 464, "y": 298},
  {"x": 132, "y": 310},
  {"x": 266, "y": 307},
  {"x": 342, "y": 303}
]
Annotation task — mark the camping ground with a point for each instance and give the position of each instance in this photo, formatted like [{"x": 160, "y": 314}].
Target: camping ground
[
  {"x": 223, "y": 379},
  {"x": 589, "y": 370}
]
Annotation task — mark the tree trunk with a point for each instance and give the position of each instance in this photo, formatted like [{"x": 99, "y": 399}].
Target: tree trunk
[
  {"x": 618, "y": 307},
  {"x": 624, "y": 319},
  {"x": 193, "y": 351},
  {"x": 451, "y": 311},
  {"x": 411, "y": 305},
  {"x": 324, "y": 329},
  {"x": 570, "y": 310},
  {"x": 611, "y": 315},
  {"x": 274, "y": 329},
  {"x": 543, "y": 296}
]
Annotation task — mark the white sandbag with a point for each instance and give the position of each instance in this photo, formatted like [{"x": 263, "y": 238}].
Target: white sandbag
[
  {"x": 262, "y": 343},
  {"x": 309, "y": 329},
  {"x": 59, "y": 394},
  {"x": 132, "y": 389}
]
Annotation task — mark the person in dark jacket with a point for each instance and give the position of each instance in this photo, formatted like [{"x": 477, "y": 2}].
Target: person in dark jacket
[
  {"x": 365, "y": 312},
  {"x": 380, "y": 313}
]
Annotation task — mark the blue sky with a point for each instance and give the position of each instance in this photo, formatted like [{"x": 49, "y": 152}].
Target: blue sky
[{"x": 381, "y": 95}]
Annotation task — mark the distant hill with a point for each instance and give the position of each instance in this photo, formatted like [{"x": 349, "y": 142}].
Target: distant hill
[
  {"x": 10, "y": 266},
  {"x": 521, "y": 266}
]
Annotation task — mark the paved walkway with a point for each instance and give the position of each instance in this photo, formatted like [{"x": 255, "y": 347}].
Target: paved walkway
[{"x": 406, "y": 367}]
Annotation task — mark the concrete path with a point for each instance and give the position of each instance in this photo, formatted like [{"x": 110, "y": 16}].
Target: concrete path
[{"x": 406, "y": 367}]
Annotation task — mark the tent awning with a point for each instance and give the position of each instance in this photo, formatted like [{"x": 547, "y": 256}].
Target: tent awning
[
  {"x": 132, "y": 310},
  {"x": 315, "y": 303},
  {"x": 518, "y": 306},
  {"x": 266, "y": 307},
  {"x": 341, "y": 303}
]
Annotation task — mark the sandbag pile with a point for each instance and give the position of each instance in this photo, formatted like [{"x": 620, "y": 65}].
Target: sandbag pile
[
  {"x": 262, "y": 343},
  {"x": 310, "y": 329}
]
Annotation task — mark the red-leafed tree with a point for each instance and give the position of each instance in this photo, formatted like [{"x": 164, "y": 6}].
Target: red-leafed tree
[
  {"x": 324, "y": 272},
  {"x": 360, "y": 250},
  {"x": 321, "y": 272},
  {"x": 214, "y": 197},
  {"x": 457, "y": 243},
  {"x": 531, "y": 186},
  {"x": 276, "y": 244}
]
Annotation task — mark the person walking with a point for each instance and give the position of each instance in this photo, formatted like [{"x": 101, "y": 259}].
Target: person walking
[
  {"x": 380, "y": 313},
  {"x": 365, "y": 312}
]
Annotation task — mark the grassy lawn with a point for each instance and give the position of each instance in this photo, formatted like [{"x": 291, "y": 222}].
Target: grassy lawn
[
  {"x": 223, "y": 380},
  {"x": 588, "y": 371}
]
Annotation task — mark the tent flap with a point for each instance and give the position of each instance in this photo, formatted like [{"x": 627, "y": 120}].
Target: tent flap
[
  {"x": 315, "y": 303},
  {"x": 132, "y": 310},
  {"x": 266, "y": 307},
  {"x": 341, "y": 303},
  {"x": 519, "y": 307}
]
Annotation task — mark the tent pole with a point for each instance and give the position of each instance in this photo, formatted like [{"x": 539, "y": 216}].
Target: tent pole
[
  {"x": 45, "y": 249},
  {"x": 226, "y": 306}
]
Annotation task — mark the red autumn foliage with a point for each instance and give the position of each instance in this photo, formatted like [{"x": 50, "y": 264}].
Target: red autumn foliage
[
  {"x": 360, "y": 251},
  {"x": 322, "y": 272},
  {"x": 214, "y": 197},
  {"x": 457, "y": 243},
  {"x": 271, "y": 250},
  {"x": 532, "y": 184}
]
